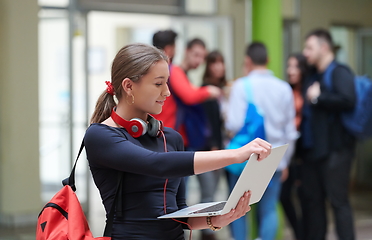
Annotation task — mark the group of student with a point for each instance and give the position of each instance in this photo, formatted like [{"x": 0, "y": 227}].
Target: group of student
[
  {"x": 144, "y": 134},
  {"x": 271, "y": 116}
]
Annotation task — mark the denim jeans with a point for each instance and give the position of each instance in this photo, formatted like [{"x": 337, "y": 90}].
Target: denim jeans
[{"x": 267, "y": 215}]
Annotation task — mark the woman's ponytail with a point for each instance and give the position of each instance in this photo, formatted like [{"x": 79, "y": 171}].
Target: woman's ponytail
[{"x": 104, "y": 106}]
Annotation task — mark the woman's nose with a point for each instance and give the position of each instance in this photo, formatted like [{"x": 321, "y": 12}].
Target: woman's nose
[{"x": 166, "y": 92}]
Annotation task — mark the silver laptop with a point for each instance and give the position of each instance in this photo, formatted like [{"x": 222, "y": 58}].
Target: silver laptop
[{"x": 255, "y": 177}]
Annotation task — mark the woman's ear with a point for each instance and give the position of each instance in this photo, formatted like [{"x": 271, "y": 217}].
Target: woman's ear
[{"x": 127, "y": 85}]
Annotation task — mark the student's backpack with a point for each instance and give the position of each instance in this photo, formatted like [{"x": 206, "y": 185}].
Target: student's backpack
[
  {"x": 358, "y": 121},
  {"x": 253, "y": 128},
  {"x": 194, "y": 119},
  {"x": 63, "y": 218}
]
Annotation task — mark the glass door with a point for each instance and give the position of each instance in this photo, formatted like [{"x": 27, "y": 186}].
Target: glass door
[
  {"x": 62, "y": 99},
  {"x": 53, "y": 100}
]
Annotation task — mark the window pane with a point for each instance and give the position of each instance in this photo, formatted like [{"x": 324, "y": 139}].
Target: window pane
[
  {"x": 53, "y": 3},
  {"x": 200, "y": 7}
]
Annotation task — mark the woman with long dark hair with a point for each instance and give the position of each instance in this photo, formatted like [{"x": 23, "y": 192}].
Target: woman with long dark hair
[
  {"x": 297, "y": 69},
  {"x": 214, "y": 75}
]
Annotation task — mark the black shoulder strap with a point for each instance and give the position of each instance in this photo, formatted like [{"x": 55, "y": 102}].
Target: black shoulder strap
[
  {"x": 71, "y": 179},
  {"x": 118, "y": 193},
  {"x": 118, "y": 199},
  {"x": 116, "y": 206}
]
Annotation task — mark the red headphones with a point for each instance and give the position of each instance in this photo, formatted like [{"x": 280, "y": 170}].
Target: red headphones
[{"x": 136, "y": 127}]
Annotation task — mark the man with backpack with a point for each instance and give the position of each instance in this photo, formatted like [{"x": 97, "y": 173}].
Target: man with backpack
[
  {"x": 327, "y": 146},
  {"x": 260, "y": 106}
]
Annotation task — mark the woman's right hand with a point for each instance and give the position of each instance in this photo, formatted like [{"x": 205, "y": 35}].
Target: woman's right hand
[
  {"x": 258, "y": 146},
  {"x": 214, "y": 92}
]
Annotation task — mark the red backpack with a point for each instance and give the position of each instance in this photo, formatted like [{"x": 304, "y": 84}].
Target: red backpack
[{"x": 63, "y": 218}]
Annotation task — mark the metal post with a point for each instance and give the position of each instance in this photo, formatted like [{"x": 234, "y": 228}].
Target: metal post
[{"x": 71, "y": 32}]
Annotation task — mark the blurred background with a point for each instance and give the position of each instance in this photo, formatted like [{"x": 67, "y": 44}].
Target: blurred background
[{"x": 56, "y": 55}]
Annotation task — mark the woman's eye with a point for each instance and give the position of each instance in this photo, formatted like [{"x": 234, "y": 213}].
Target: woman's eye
[{"x": 158, "y": 84}]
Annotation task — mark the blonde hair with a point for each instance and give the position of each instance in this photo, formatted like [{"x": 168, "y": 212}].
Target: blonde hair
[{"x": 132, "y": 61}]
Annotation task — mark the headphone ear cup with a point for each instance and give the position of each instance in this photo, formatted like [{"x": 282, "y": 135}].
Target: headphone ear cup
[
  {"x": 153, "y": 127},
  {"x": 137, "y": 127}
]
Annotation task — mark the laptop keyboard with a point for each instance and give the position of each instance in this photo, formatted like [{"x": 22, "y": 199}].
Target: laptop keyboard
[{"x": 213, "y": 208}]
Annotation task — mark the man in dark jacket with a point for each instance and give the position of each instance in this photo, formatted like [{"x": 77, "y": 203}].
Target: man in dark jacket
[{"x": 328, "y": 149}]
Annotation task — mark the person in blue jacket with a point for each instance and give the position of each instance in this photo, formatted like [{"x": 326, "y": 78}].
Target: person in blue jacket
[{"x": 124, "y": 139}]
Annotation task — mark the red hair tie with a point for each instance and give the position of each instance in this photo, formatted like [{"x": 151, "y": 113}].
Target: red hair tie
[{"x": 110, "y": 88}]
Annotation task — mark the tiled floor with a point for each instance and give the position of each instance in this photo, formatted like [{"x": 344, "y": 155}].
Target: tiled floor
[{"x": 361, "y": 201}]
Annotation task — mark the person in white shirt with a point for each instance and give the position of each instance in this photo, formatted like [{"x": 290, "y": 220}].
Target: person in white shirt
[{"x": 261, "y": 105}]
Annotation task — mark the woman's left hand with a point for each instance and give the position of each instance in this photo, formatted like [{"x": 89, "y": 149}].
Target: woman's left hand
[{"x": 241, "y": 209}]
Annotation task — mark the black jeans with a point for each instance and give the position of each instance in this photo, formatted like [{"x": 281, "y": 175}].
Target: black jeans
[
  {"x": 290, "y": 190},
  {"x": 328, "y": 179}
]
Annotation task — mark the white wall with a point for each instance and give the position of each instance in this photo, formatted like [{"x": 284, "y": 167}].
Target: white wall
[{"x": 324, "y": 13}]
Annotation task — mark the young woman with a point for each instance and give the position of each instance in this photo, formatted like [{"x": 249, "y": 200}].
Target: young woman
[
  {"x": 149, "y": 157},
  {"x": 214, "y": 75},
  {"x": 297, "y": 70}
]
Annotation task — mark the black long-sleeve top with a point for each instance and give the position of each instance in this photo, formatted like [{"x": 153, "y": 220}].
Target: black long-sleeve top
[
  {"x": 146, "y": 167},
  {"x": 325, "y": 129}
]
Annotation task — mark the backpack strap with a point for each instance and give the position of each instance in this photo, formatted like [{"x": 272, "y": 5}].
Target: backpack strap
[
  {"x": 115, "y": 205},
  {"x": 327, "y": 76},
  {"x": 248, "y": 89},
  {"x": 71, "y": 179}
]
